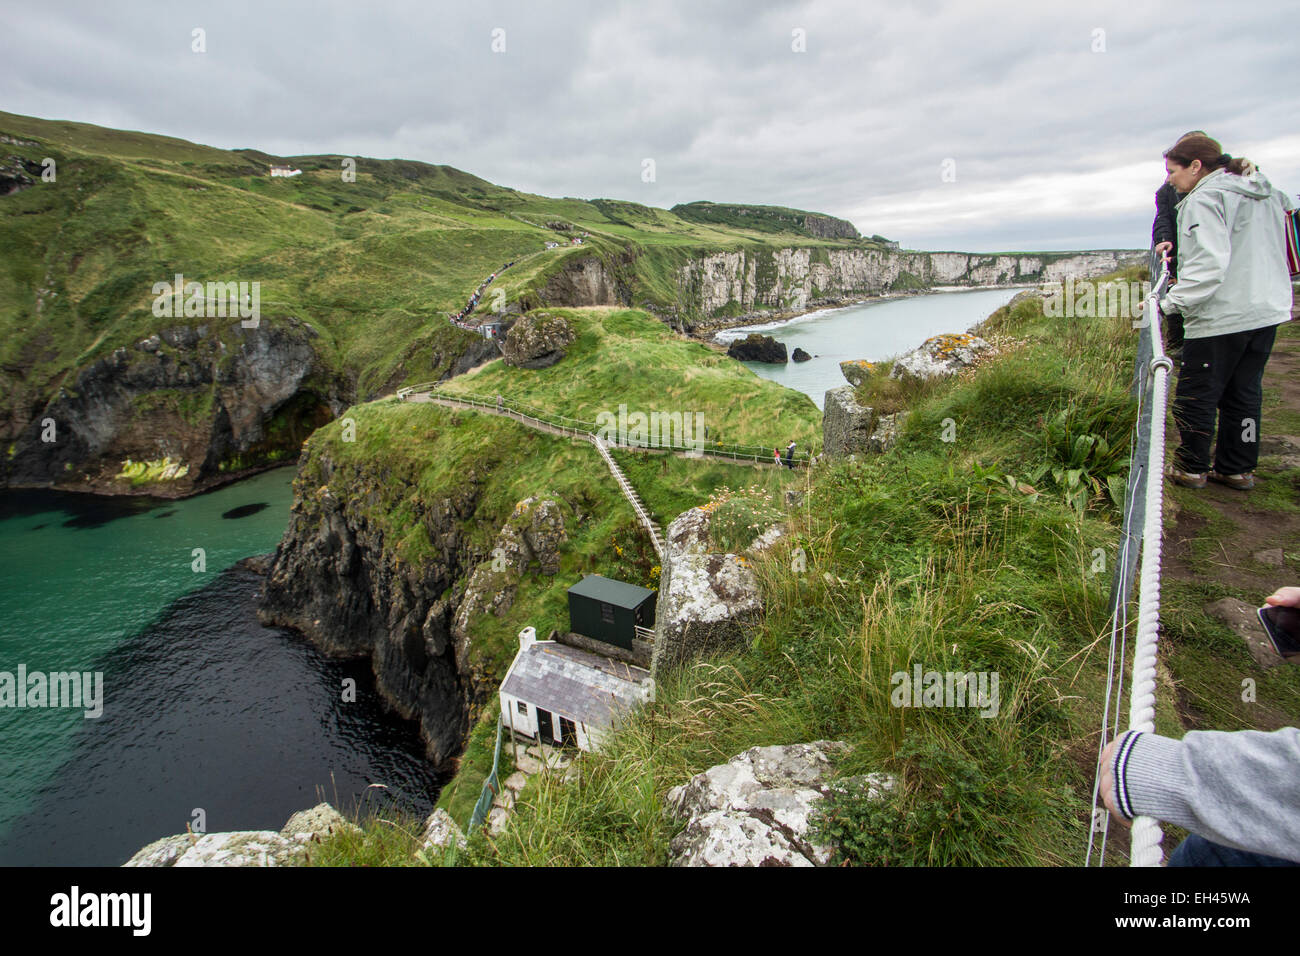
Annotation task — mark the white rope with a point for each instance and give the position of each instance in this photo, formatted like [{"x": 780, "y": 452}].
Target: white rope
[{"x": 1144, "y": 847}]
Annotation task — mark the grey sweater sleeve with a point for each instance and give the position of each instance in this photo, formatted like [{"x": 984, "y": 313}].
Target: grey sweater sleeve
[{"x": 1240, "y": 789}]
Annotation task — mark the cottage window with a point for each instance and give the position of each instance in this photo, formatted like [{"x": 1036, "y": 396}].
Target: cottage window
[{"x": 523, "y": 708}]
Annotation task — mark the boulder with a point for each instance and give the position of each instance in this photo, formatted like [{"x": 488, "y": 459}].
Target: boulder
[
  {"x": 857, "y": 371},
  {"x": 245, "y": 848},
  {"x": 537, "y": 340},
  {"x": 164, "y": 852},
  {"x": 758, "y": 348},
  {"x": 849, "y": 428},
  {"x": 939, "y": 356},
  {"x": 799, "y": 355},
  {"x": 440, "y": 830},
  {"x": 319, "y": 822},
  {"x": 707, "y": 601},
  {"x": 756, "y": 809}
]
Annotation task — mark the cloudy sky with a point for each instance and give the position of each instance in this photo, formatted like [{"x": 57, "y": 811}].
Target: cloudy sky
[{"x": 945, "y": 125}]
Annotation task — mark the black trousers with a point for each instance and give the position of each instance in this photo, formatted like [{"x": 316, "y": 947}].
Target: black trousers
[
  {"x": 1173, "y": 333},
  {"x": 1222, "y": 378}
]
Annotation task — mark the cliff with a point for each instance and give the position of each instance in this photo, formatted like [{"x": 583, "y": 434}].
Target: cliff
[
  {"x": 177, "y": 412},
  {"x": 732, "y": 288}
]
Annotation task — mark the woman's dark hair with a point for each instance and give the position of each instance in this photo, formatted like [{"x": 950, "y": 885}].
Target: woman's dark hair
[{"x": 1199, "y": 146}]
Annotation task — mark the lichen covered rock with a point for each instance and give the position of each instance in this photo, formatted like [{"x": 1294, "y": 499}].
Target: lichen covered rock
[
  {"x": 537, "y": 340},
  {"x": 857, "y": 371},
  {"x": 756, "y": 809},
  {"x": 939, "y": 356},
  {"x": 440, "y": 830},
  {"x": 708, "y": 601},
  {"x": 849, "y": 428}
]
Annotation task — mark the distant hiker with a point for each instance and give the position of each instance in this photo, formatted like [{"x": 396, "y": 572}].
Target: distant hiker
[
  {"x": 789, "y": 454},
  {"x": 776, "y": 455},
  {"x": 1233, "y": 290}
]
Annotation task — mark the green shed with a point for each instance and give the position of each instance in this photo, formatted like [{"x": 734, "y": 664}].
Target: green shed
[{"x": 609, "y": 610}]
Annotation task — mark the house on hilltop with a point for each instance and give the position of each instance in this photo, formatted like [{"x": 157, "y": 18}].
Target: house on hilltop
[{"x": 284, "y": 171}]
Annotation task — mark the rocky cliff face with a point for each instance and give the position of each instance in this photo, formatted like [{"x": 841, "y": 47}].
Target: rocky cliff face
[
  {"x": 582, "y": 282},
  {"x": 178, "y": 412},
  {"x": 337, "y": 580},
  {"x": 342, "y": 582},
  {"x": 730, "y": 288}
]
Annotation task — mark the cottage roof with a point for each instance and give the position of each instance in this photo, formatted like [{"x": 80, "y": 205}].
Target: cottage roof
[
  {"x": 575, "y": 683},
  {"x": 617, "y": 593}
]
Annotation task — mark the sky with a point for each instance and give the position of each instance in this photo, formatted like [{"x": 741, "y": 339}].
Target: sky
[{"x": 972, "y": 126}]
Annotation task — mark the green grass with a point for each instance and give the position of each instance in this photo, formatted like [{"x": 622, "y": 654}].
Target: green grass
[
  {"x": 627, "y": 357},
  {"x": 911, "y": 557},
  {"x": 922, "y": 555}
]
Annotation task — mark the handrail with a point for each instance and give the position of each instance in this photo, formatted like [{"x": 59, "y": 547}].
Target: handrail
[
  {"x": 580, "y": 427},
  {"x": 1146, "y": 836}
]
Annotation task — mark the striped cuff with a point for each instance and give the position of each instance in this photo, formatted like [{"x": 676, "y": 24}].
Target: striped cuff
[
  {"x": 1120, "y": 771},
  {"x": 1151, "y": 779}
]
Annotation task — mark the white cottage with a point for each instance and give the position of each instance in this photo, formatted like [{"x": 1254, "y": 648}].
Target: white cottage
[
  {"x": 284, "y": 171},
  {"x": 555, "y": 693}
]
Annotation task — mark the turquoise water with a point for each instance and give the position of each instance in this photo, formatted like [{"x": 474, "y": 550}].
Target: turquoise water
[
  {"x": 82, "y": 574},
  {"x": 872, "y": 331}
]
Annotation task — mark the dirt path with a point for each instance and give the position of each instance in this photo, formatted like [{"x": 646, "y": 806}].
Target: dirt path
[{"x": 1225, "y": 552}]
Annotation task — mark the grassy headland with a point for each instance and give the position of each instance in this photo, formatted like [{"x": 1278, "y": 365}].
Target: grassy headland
[{"x": 939, "y": 553}]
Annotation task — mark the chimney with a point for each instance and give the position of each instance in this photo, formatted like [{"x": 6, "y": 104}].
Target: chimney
[{"x": 527, "y": 638}]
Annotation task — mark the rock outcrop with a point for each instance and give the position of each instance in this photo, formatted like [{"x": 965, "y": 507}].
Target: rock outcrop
[
  {"x": 756, "y": 347},
  {"x": 849, "y": 428},
  {"x": 537, "y": 340},
  {"x": 580, "y": 282},
  {"x": 441, "y": 832},
  {"x": 939, "y": 356},
  {"x": 532, "y": 535},
  {"x": 828, "y": 227},
  {"x": 857, "y": 371},
  {"x": 799, "y": 355},
  {"x": 18, "y": 173},
  {"x": 707, "y": 601},
  {"x": 290, "y": 847},
  {"x": 756, "y": 809},
  {"x": 192, "y": 406},
  {"x": 725, "y": 289},
  {"x": 341, "y": 583}
]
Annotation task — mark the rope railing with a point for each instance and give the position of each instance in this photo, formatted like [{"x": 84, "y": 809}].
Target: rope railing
[
  {"x": 1145, "y": 840},
  {"x": 1143, "y": 506}
]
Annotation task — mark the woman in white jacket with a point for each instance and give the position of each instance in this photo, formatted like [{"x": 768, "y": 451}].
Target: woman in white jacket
[{"x": 1233, "y": 290}]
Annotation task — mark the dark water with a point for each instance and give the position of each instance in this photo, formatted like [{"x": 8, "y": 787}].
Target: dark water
[{"x": 203, "y": 708}]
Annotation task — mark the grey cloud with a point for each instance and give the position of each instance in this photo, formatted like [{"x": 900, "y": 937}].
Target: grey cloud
[{"x": 857, "y": 125}]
